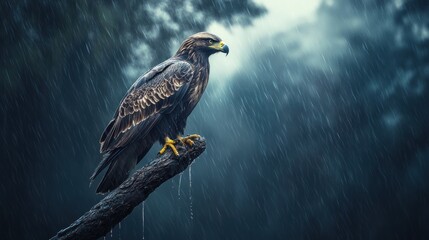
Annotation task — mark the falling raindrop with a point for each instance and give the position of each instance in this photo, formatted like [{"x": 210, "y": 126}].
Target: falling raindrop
[
  {"x": 180, "y": 182},
  {"x": 119, "y": 233},
  {"x": 111, "y": 232},
  {"x": 143, "y": 218},
  {"x": 190, "y": 192}
]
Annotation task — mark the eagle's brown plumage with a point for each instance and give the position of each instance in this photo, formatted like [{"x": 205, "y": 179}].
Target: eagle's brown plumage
[{"x": 156, "y": 106}]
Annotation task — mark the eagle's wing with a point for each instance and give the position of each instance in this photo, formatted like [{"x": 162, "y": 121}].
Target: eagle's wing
[{"x": 158, "y": 91}]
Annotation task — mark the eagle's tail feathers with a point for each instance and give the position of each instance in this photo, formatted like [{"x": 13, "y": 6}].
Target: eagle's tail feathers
[
  {"x": 107, "y": 159},
  {"x": 121, "y": 163}
]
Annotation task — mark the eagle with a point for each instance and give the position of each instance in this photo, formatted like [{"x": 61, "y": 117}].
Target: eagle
[{"x": 156, "y": 108}]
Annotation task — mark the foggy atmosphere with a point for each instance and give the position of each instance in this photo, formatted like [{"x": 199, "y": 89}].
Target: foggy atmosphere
[{"x": 316, "y": 123}]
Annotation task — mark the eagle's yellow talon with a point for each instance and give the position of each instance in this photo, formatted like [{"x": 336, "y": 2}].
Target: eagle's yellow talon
[
  {"x": 188, "y": 139},
  {"x": 169, "y": 143},
  {"x": 190, "y": 142},
  {"x": 194, "y": 136}
]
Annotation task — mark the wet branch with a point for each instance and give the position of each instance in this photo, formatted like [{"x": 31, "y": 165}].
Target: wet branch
[{"x": 98, "y": 221}]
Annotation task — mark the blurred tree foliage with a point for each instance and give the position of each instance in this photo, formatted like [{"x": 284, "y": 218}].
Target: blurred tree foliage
[{"x": 353, "y": 123}]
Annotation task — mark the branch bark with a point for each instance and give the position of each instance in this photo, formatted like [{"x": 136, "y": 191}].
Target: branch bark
[{"x": 98, "y": 221}]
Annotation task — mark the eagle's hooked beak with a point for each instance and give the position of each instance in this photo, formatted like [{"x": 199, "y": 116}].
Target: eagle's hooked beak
[{"x": 220, "y": 46}]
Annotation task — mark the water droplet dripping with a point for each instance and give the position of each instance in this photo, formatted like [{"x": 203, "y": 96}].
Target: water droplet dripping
[
  {"x": 180, "y": 183},
  {"x": 190, "y": 192},
  {"x": 143, "y": 219}
]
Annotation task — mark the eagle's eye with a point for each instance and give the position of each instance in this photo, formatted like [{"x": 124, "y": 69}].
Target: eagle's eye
[{"x": 210, "y": 41}]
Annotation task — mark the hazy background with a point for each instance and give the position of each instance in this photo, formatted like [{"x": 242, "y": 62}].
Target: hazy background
[{"x": 317, "y": 123}]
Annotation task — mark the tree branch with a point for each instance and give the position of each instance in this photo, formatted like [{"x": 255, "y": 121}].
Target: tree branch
[{"x": 98, "y": 221}]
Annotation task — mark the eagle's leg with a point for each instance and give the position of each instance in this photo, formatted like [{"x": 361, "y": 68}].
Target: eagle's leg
[
  {"x": 168, "y": 142},
  {"x": 188, "y": 139}
]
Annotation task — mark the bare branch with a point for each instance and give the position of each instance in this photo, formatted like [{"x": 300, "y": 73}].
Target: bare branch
[{"x": 98, "y": 221}]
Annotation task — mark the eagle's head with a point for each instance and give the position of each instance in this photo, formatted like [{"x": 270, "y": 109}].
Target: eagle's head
[{"x": 204, "y": 43}]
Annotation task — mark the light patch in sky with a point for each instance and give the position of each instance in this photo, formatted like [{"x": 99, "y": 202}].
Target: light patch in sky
[
  {"x": 243, "y": 42},
  {"x": 392, "y": 119}
]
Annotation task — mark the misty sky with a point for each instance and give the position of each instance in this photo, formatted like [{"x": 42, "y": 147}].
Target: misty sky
[{"x": 316, "y": 122}]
